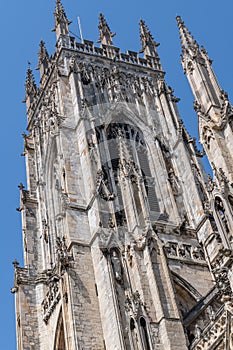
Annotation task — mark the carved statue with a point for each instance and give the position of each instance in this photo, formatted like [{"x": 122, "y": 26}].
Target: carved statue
[
  {"x": 116, "y": 263},
  {"x": 198, "y": 331},
  {"x": 219, "y": 207}
]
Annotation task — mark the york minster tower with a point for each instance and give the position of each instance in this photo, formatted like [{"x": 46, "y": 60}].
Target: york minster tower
[{"x": 127, "y": 242}]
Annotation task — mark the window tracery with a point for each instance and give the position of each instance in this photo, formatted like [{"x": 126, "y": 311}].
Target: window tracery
[
  {"x": 127, "y": 159},
  {"x": 223, "y": 220}
]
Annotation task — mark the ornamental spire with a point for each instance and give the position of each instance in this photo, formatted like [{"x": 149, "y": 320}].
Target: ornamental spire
[
  {"x": 43, "y": 57},
  {"x": 30, "y": 84},
  {"x": 43, "y": 53},
  {"x": 59, "y": 11},
  {"x": 61, "y": 21},
  {"x": 30, "y": 87},
  {"x": 148, "y": 43},
  {"x": 187, "y": 40},
  {"x": 105, "y": 33}
]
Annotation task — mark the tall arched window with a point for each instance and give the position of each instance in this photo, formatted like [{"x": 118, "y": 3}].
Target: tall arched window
[
  {"x": 121, "y": 142},
  {"x": 220, "y": 211},
  {"x": 59, "y": 343},
  {"x": 134, "y": 335},
  {"x": 144, "y": 334}
]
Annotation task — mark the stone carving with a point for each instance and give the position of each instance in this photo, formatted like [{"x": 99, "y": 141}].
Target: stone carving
[
  {"x": 211, "y": 313},
  {"x": 198, "y": 108},
  {"x": 102, "y": 185},
  {"x": 198, "y": 331},
  {"x": 197, "y": 253},
  {"x": 171, "y": 248},
  {"x": 116, "y": 263},
  {"x": 45, "y": 230},
  {"x": 221, "y": 213},
  {"x": 210, "y": 184},
  {"x": 109, "y": 240},
  {"x": 134, "y": 304},
  {"x": 207, "y": 136},
  {"x": 184, "y": 251},
  {"x": 111, "y": 223},
  {"x": 140, "y": 243},
  {"x": 73, "y": 65},
  {"x": 65, "y": 200},
  {"x": 212, "y": 334},
  {"x": 85, "y": 73},
  {"x": 130, "y": 254},
  {"x": 51, "y": 300},
  {"x": 223, "y": 283},
  {"x": 174, "y": 182},
  {"x": 63, "y": 256},
  {"x": 221, "y": 176},
  {"x": 119, "y": 85}
]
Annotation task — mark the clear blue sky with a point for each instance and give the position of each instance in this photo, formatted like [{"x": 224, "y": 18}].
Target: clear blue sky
[{"x": 24, "y": 23}]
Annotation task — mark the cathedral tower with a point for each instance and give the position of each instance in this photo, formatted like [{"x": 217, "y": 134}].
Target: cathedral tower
[
  {"x": 215, "y": 119},
  {"x": 121, "y": 247}
]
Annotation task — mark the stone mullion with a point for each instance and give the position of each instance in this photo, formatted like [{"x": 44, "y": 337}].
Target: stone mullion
[
  {"x": 132, "y": 204},
  {"x": 116, "y": 301},
  {"x": 171, "y": 195},
  {"x": 40, "y": 193},
  {"x": 68, "y": 316},
  {"x": 145, "y": 100},
  {"x": 167, "y": 123},
  {"x": 142, "y": 191}
]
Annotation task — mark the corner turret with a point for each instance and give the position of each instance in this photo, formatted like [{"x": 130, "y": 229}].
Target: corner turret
[
  {"x": 61, "y": 21},
  {"x": 211, "y": 103},
  {"x": 149, "y": 46}
]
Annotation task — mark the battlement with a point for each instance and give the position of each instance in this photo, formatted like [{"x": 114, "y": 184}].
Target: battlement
[{"x": 114, "y": 53}]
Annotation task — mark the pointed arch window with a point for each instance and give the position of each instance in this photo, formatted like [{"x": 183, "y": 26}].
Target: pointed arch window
[
  {"x": 140, "y": 338},
  {"x": 124, "y": 143},
  {"x": 59, "y": 343},
  {"x": 221, "y": 213},
  {"x": 134, "y": 335},
  {"x": 144, "y": 333}
]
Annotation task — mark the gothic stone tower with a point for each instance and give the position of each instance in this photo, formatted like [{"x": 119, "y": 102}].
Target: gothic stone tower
[
  {"x": 215, "y": 118},
  {"x": 125, "y": 244}
]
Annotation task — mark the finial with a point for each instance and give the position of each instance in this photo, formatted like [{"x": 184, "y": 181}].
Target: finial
[
  {"x": 147, "y": 40},
  {"x": 15, "y": 263},
  {"x": 61, "y": 21},
  {"x": 30, "y": 81},
  {"x": 21, "y": 186},
  {"x": 187, "y": 40},
  {"x": 105, "y": 33},
  {"x": 59, "y": 11}
]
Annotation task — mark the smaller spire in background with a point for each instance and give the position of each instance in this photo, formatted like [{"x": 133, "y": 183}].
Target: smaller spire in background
[
  {"x": 30, "y": 84},
  {"x": 42, "y": 54},
  {"x": 105, "y": 33}
]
